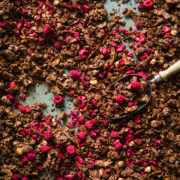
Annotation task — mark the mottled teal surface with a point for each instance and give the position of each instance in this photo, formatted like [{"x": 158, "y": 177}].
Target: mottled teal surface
[{"x": 38, "y": 94}]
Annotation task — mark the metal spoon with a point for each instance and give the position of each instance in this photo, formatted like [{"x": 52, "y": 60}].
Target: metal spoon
[{"x": 175, "y": 68}]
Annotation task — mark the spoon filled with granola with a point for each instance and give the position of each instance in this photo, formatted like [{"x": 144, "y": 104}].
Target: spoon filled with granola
[{"x": 130, "y": 94}]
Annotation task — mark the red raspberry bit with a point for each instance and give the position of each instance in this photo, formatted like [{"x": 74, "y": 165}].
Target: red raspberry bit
[
  {"x": 110, "y": 103},
  {"x": 31, "y": 156},
  {"x": 129, "y": 72},
  {"x": 40, "y": 39},
  {"x": 79, "y": 173},
  {"x": 118, "y": 146},
  {"x": 62, "y": 156},
  {"x": 21, "y": 108},
  {"x": 110, "y": 68},
  {"x": 90, "y": 154},
  {"x": 93, "y": 133},
  {"x": 48, "y": 135},
  {"x": 129, "y": 137},
  {"x": 130, "y": 104},
  {"x": 69, "y": 177},
  {"x": 125, "y": 31},
  {"x": 166, "y": 29},
  {"x": 139, "y": 141},
  {"x": 141, "y": 6},
  {"x": 120, "y": 48},
  {"x": 135, "y": 31},
  {"x": 114, "y": 134},
  {"x": 82, "y": 135},
  {"x": 83, "y": 53},
  {"x": 75, "y": 74},
  {"x": 28, "y": 109},
  {"x": 137, "y": 119},
  {"x": 58, "y": 99},
  {"x": 33, "y": 35},
  {"x": 24, "y": 159},
  {"x": 80, "y": 159},
  {"x": 59, "y": 178},
  {"x": 47, "y": 4},
  {"x": 94, "y": 102},
  {"x": 46, "y": 29},
  {"x": 92, "y": 163},
  {"x": 89, "y": 124},
  {"x": 108, "y": 170},
  {"x": 144, "y": 57},
  {"x": 138, "y": 25},
  {"x": 19, "y": 25},
  {"x": 45, "y": 149},
  {"x": 81, "y": 120},
  {"x": 25, "y": 178},
  {"x": 2, "y": 24},
  {"x": 17, "y": 3},
  {"x": 120, "y": 99},
  {"x": 158, "y": 141},
  {"x": 57, "y": 44},
  {"x": 153, "y": 162},
  {"x": 23, "y": 11},
  {"x": 113, "y": 44},
  {"x": 143, "y": 74},
  {"x": 130, "y": 54},
  {"x": 9, "y": 96},
  {"x": 71, "y": 150},
  {"x": 121, "y": 62},
  {"x": 40, "y": 168},
  {"x": 142, "y": 38},
  {"x": 149, "y": 50},
  {"x": 129, "y": 152},
  {"x": 86, "y": 8},
  {"x": 100, "y": 75},
  {"x": 105, "y": 122},
  {"x": 105, "y": 51},
  {"x": 148, "y": 4},
  {"x": 83, "y": 23},
  {"x": 15, "y": 177},
  {"x": 135, "y": 85}
]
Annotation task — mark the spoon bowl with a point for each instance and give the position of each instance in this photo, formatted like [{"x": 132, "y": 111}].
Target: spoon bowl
[{"x": 148, "y": 91}]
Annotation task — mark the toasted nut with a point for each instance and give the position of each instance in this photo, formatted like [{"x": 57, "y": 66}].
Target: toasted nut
[
  {"x": 148, "y": 169},
  {"x": 84, "y": 67},
  {"x": 105, "y": 65},
  {"x": 131, "y": 143},
  {"x": 155, "y": 123},
  {"x": 117, "y": 64},
  {"x": 173, "y": 32},
  {"x": 93, "y": 82},
  {"x": 120, "y": 164},
  {"x": 19, "y": 151},
  {"x": 153, "y": 61}
]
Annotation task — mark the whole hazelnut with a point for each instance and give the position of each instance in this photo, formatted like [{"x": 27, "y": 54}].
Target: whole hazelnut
[
  {"x": 116, "y": 64},
  {"x": 84, "y": 67},
  {"x": 131, "y": 143},
  {"x": 155, "y": 123},
  {"x": 120, "y": 164},
  {"x": 19, "y": 151},
  {"x": 153, "y": 61},
  {"x": 106, "y": 65},
  {"x": 173, "y": 32},
  {"x": 148, "y": 169},
  {"x": 93, "y": 82}
]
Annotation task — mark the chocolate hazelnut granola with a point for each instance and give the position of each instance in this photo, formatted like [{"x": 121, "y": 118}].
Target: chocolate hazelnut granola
[{"x": 39, "y": 40}]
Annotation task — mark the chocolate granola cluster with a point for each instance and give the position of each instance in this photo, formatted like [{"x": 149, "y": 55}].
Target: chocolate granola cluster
[{"x": 39, "y": 40}]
